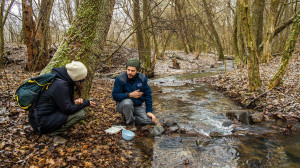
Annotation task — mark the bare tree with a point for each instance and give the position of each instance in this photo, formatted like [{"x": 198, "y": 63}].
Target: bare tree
[
  {"x": 35, "y": 33},
  {"x": 3, "y": 17}
]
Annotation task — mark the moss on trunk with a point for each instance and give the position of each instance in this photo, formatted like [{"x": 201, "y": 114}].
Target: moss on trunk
[
  {"x": 88, "y": 24},
  {"x": 287, "y": 53}
]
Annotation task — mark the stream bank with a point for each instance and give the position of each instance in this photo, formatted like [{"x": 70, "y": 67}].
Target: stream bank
[{"x": 199, "y": 134}]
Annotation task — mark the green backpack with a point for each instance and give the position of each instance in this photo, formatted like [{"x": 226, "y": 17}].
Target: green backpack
[{"x": 27, "y": 94}]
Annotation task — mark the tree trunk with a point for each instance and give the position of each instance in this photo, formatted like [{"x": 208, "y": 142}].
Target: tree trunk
[
  {"x": 80, "y": 37},
  {"x": 42, "y": 34},
  {"x": 165, "y": 44},
  {"x": 2, "y": 22},
  {"x": 257, "y": 20},
  {"x": 267, "y": 49},
  {"x": 250, "y": 46},
  {"x": 146, "y": 34},
  {"x": 235, "y": 42},
  {"x": 287, "y": 53},
  {"x": 139, "y": 31},
  {"x": 29, "y": 28},
  {"x": 104, "y": 20},
  {"x": 213, "y": 30},
  {"x": 1, "y": 34},
  {"x": 179, "y": 7},
  {"x": 36, "y": 36},
  {"x": 240, "y": 59}
]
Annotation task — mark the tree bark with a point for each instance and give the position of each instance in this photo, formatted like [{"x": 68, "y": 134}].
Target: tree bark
[
  {"x": 91, "y": 15},
  {"x": 42, "y": 34},
  {"x": 286, "y": 55},
  {"x": 29, "y": 27},
  {"x": 147, "y": 64},
  {"x": 257, "y": 20},
  {"x": 102, "y": 28},
  {"x": 179, "y": 7},
  {"x": 3, "y": 17},
  {"x": 213, "y": 30},
  {"x": 240, "y": 59},
  {"x": 139, "y": 31},
  {"x": 267, "y": 49},
  {"x": 36, "y": 36},
  {"x": 250, "y": 46}
]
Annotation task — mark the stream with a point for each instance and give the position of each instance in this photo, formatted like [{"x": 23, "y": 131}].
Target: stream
[{"x": 201, "y": 135}]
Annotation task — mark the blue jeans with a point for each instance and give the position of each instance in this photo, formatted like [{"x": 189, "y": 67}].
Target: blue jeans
[{"x": 133, "y": 113}]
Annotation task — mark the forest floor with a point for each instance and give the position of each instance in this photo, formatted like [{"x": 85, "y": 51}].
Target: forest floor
[{"x": 88, "y": 145}]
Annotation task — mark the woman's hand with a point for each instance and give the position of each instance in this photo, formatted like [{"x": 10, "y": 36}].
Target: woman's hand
[
  {"x": 93, "y": 104},
  {"x": 78, "y": 101}
]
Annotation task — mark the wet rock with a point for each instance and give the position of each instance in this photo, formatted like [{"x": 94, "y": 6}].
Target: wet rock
[
  {"x": 191, "y": 132},
  {"x": 171, "y": 143},
  {"x": 256, "y": 118},
  {"x": 174, "y": 128},
  {"x": 215, "y": 134},
  {"x": 168, "y": 122},
  {"x": 241, "y": 115},
  {"x": 254, "y": 163},
  {"x": 201, "y": 143},
  {"x": 157, "y": 130},
  {"x": 227, "y": 123}
]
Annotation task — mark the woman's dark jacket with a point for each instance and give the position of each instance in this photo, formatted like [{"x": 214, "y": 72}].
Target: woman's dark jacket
[{"x": 56, "y": 103}]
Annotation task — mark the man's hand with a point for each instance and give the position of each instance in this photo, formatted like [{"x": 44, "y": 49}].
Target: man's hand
[
  {"x": 78, "y": 101},
  {"x": 136, "y": 94},
  {"x": 93, "y": 104},
  {"x": 149, "y": 114}
]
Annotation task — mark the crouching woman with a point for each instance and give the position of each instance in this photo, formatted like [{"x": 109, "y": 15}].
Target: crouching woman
[{"x": 56, "y": 108}]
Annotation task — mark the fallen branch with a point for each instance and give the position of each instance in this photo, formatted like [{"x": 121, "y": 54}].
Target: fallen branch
[{"x": 255, "y": 98}]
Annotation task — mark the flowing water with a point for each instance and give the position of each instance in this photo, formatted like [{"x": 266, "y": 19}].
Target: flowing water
[{"x": 199, "y": 110}]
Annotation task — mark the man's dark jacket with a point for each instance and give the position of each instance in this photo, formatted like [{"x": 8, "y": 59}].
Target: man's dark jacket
[
  {"x": 123, "y": 86},
  {"x": 56, "y": 103}
]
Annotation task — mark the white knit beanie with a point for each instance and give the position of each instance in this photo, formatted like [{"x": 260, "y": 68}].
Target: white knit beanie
[{"x": 76, "y": 70}]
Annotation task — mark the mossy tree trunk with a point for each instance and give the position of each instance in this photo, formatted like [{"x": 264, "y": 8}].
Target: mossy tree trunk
[
  {"x": 235, "y": 42},
  {"x": 267, "y": 48},
  {"x": 238, "y": 36},
  {"x": 250, "y": 48},
  {"x": 80, "y": 37},
  {"x": 287, "y": 53},
  {"x": 258, "y": 20},
  {"x": 3, "y": 17},
  {"x": 97, "y": 48}
]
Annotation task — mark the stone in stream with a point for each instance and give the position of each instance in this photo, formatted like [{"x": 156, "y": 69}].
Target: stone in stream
[
  {"x": 256, "y": 118},
  {"x": 241, "y": 115},
  {"x": 157, "y": 130},
  {"x": 174, "y": 128},
  {"x": 227, "y": 123},
  {"x": 215, "y": 134},
  {"x": 201, "y": 143}
]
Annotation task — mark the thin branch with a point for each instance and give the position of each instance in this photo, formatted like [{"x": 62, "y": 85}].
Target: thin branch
[{"x": 7, "y": 11}]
